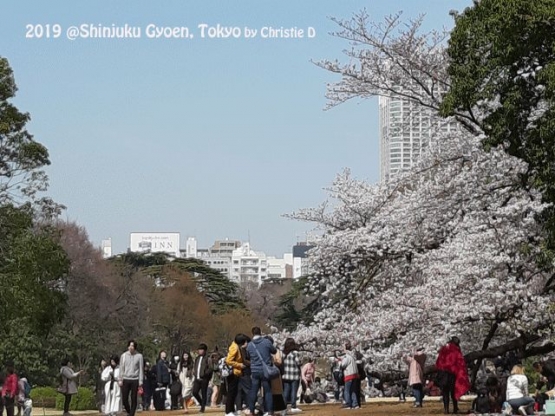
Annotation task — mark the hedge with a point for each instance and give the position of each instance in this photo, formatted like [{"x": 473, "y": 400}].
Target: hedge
[
  {"x": 83, "y": 400},
  {"x": 44, "y": 396}
]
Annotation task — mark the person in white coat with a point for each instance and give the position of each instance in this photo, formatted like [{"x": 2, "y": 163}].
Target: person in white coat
[
  {"x": 517, "y": 391},
  {"x": 112, "y": 391},
  {"x": 186, "y": 376}
]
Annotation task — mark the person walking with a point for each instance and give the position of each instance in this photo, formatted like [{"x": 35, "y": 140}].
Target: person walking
[
  {"x": 10, "y": 389},
  {"x": 162, "y": 370},
  {"x": 186, "y": 377},
  {"x": 452, "y": 374},
  {"x": 131, "y": 376},
  {"x": 203, "y": 368},
  {"x": 416, "y": 362},
  {"x": 149, "y": 384},
  {"x": 99, "y": 385},
  {"x": 216, "y": 380},
  {"x": 112, "y": 391}
]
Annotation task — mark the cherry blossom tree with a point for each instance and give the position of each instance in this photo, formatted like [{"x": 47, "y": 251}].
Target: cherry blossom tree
[{"x": 450, "y": 247}]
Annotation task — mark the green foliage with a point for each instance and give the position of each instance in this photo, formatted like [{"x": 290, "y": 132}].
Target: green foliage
[
  {"x": 295, "y": 308},
  {"x": 44, "y": 396},
  {"x": 222, "y": 293},
  {"x": 21, "y": 157},
  {"x": 533, "y": 375},
  {"x": 83, "y": 400},
  {"x": 32, "y": 263},
  {"x": 502, "y": 70},
  {"x": 32, "y": 270}
]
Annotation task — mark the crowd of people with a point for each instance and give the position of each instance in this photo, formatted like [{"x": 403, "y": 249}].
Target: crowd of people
[
  {"x": 15, "y": 393},
  {"x": 254, "y": 376}
]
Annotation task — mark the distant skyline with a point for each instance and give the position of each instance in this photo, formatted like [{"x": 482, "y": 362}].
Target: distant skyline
[{"x": 210, "y": 137}]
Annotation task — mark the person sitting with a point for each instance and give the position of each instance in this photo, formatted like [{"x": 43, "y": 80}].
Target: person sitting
[
  {"x": 318, "y": 391},
  {"x": 517, "y": 391},
  {"x": 481, "y": 403},
  {"x": 547, "y": 371},
  {"x": 495, "y": 394}
]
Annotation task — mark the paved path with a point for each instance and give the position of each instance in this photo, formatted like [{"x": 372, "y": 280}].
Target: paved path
[{"x": 40, "y": 411}]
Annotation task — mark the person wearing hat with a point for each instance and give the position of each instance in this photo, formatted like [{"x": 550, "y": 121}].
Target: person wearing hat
[{"x": 202, "y": 373}]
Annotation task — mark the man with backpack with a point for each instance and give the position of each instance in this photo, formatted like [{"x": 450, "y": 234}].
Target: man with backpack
[{"x": 24, "y": 401}]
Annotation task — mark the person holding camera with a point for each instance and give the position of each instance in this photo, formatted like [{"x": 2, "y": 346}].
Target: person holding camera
[{"x": 69, "y": 386}]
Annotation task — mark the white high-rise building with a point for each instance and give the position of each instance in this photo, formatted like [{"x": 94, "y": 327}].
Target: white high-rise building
[
  {"x": 248, "y": 266},
  {"x": 218, "y": 256},
  {"x": 106, "y": 248},
  {"x": 191, "y": 248},
  {"x": 406, "y": 130}
]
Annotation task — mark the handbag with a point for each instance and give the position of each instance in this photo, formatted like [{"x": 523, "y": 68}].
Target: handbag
[
  {"x": 175, "y": 388},
  {"x": 269, "y": 371},
  {"x": 63, "y": 387}
]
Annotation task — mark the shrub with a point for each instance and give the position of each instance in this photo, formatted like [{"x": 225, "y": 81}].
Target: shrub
[
  {"x": 44, "y": 396},
  {"x": 83, "y": 400}
]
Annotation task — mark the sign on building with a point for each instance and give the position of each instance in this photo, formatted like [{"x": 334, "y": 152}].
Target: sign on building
[{"x": 155, "y": 243}]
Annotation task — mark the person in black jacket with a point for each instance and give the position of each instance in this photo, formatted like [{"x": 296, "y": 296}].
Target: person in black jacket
[
  {"x": 162, "y": 370},
  {"x": 175, "y": 384},
  {"x": 149, "y": 384},
  {"x": 202, "y": 369}
]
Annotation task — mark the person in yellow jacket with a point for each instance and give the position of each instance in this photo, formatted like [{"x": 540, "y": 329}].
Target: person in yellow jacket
[{"x": 236, "y": 361}]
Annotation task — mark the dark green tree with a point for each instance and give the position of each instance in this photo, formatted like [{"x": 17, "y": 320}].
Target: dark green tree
[
  {"x": 295, "y": 307},
  {"x": 222, "y": 293},
  {"x": 21, "y": 157},
  {"x": 502, "y": 73},
  {"x": 33, "y": 265}
]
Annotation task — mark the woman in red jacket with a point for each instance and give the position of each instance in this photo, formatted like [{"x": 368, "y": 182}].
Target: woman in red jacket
[
  {"x": 452, "y": 374},
  {"x": 10, "y": 389}
]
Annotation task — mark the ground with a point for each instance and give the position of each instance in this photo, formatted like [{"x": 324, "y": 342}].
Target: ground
[{"x": 379, "y": 408}]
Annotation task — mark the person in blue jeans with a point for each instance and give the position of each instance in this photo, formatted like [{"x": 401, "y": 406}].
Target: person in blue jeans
[
  {"x": 517, "y": 391},
  {"x": 259, "y": 352},
  {"x": 350, "y": 370},
  {"x": 291, "y": 374}
]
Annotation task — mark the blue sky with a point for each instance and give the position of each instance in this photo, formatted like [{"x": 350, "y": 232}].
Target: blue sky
[{"x": 212, "y": 138}]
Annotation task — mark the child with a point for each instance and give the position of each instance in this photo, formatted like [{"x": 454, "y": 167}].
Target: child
[{"x": 480, "y": 405}]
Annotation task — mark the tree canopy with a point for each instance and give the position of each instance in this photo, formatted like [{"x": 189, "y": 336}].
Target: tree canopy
[
  {"x": 502, "y": 71},
  {"x": 33, "y": 265},
  {"x": 22, "y": 179},
  {"x": 452, "y": 246}
]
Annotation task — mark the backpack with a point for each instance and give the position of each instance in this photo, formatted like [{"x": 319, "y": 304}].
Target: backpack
[
  {"x": 224, "y": 369},
  {"x": 26, "y": 388}
]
